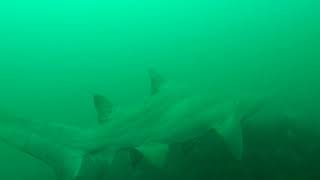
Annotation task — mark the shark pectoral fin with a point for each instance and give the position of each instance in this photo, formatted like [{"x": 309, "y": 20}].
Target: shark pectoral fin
[
  {"x": 67, "y": 163},
  {"x": 135, "y": 157},
  {"x": 231, "y": 131},
  {"x": 155, "y": 154},
  {"x": 108, "y": 156},
  {"x": 104, "y": 108}
]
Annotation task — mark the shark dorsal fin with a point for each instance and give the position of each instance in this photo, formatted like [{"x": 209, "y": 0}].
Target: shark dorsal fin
[
  {"x": 103, "y": 107},
  {"x": 156, "y": 81}
]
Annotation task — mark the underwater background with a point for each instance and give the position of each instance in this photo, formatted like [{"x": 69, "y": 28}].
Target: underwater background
[{"x": 55, "y": 54}]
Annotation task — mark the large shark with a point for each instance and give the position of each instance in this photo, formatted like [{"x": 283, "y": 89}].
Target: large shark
[{"x": 170, "y": 115}]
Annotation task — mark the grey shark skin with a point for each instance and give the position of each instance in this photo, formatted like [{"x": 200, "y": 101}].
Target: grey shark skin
[{"x": 170, "y": 115}]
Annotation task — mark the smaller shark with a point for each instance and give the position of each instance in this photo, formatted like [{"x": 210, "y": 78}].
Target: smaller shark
[{"x": 171, "y": 114}]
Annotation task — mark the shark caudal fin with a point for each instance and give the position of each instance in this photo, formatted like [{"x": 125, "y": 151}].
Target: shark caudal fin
[{"x": 65, "y": 162}]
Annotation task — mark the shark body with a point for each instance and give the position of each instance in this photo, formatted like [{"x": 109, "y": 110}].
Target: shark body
[{"x": 170, "y": 115}]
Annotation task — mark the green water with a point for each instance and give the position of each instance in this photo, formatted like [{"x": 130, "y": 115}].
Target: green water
[{"x": 55, "y": 54}]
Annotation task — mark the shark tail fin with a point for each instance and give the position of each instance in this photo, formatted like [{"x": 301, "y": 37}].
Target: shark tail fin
[{"x": 66, "y": 162}]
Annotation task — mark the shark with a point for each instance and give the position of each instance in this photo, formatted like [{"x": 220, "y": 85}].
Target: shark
[{"x": 171, "y": 114}]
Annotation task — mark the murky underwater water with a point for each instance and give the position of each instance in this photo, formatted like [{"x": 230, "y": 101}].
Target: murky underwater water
[{"x": 54, "y": 55}]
